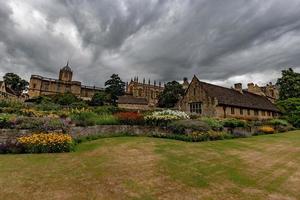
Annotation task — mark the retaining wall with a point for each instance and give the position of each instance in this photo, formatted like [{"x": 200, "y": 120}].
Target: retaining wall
[{"x": 76, "y": 132}]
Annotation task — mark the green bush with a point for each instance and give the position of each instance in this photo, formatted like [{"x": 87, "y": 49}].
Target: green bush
[
  {"x": 103, "y": 110},
  {"x": 234, "y": 123},
  {"x": 84, "y": 118},
  {"x": 278, "y": 122},
  {"x": 40, "y": 124},
  {"x": 65, "y": 99},
  {"x": 48, "y": 106},
  {"x": 5, "y": 121},
  {"x": 215, "y": 124},
  {"x": 106, "y": 120},
  {"x": 79, "y": 105},
  {"x": 11, "y": 104},
  {"x": 182, "y": 126},
  {"x": 91, "y": 119}
]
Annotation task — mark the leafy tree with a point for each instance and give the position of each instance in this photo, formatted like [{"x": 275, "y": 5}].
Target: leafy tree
[
  {"x": 171, "y": 94},
  {"x": 291, "y": 110},
  {"x": 99, "y": 98},
  {"x": 15, "y": 82},
  {"x": 115, "y": 87},
  {"x": 289, "y": 84}
]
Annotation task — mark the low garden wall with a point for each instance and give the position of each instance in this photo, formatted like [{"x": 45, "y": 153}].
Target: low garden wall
[{"x": 77, "y": 132}]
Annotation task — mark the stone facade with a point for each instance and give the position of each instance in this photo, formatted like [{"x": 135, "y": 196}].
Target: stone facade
[
  {"x": 215, "y": 101},
  {"x": 47, "y": 86},
  {"x": 7, "y": 93},
  {"x": 270, "y": 91},
  {"x": 145, "y": 90}
]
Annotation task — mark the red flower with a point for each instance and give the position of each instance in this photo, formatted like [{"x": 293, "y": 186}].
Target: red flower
[{"x": 130, "y": 118}]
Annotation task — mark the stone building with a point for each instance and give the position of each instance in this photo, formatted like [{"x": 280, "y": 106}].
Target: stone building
[
  {"x": 40, "y": 85},
  {"x": 6, "y": 92},
  {"x": 148, "y": 91},
  {"x": 270, "y": 91},
  {"x": 215, "y": 101},
  {"x": 133, "y": 103}
]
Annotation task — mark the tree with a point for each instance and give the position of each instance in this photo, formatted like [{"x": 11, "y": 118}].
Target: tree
[
  {"x": 171, "y": 94},
  {"x": 291, "y": 110},
  {"x": 115, "y": 87},
  {"x": 15, "y": 82},
  {"x": 289, "y": 84},
  {"x": 99, "y": 99}
]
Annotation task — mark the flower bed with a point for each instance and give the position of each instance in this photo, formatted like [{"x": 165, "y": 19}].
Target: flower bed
[
  {"x": 130, "y": 118},
  {"x": 163, "y": 118},
  {"x": 46, "y": 143}
]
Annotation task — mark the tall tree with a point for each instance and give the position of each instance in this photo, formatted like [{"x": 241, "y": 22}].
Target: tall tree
[
  {"x": 15, "y": 82},
  {"x": 115, "y": 87},
  {"x": 289, "y": 84},
  {"x": 171, "y": 94}
]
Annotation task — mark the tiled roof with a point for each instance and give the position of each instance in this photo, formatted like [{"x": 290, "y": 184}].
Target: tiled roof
[
  {"x": 129, "y": 99},
  {"x": 231, "y": 97}
]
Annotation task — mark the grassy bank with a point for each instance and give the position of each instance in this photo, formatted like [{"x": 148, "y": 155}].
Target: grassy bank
[{"x": 261, "y": 167}]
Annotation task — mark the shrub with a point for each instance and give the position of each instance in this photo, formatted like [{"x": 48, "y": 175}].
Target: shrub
[
  {"x": 130, "y": 118},
  {"x": 79, "y": 105},
  {"x": 266, "y": 130},
  {"x": 106, "y": 120},
  {"x": 11, "y": 147},
  {"x": 84, "y": 118},
  {"x": 106, "y": 110},
  {"x": 65, "y": 99},
  {"x": 48, "y": 106},
  {"x": 47, "y": 143},
  {"x": 184, "y": 126},
  {"x": 240, "y": 133},
  {"x": 233, "y": 123},
  {"x": 99, "y": 99},
  {"x": 215, "y": 124},
  {"x": 278, "y": 122},
  {"x": 11, "y": 104},
  {"x": 44, "y": 124},
  {"x": 5, "y": 121}
]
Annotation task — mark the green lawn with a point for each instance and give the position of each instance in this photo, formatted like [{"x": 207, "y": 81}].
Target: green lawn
[{"x": 261, "y": 167}]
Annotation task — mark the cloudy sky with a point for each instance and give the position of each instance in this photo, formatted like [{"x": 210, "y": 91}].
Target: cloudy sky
[{"x": 220, "y": 41}]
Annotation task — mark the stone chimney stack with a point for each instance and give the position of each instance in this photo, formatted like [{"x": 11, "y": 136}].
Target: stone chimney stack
[
  {"x": 185, "y": 83},
  {"x": 238, "y": 87},
  {"x": 255, "y": 89}
]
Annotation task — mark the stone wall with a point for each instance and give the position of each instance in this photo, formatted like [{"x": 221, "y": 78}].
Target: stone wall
[{"x": 76, "y": 132}]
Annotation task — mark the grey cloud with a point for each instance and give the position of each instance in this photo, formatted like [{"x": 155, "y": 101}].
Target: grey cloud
[{"x": 162, "y": 39}]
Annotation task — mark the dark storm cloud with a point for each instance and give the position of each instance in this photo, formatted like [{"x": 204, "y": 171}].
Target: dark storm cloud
[{"x": 221, "y": 41}]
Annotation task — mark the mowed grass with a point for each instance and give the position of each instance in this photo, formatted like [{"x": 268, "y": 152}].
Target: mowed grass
[{"x": 262, "y": 167}]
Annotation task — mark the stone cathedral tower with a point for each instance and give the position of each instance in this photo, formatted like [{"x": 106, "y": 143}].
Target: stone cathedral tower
[{"x": 66, "y": 74}]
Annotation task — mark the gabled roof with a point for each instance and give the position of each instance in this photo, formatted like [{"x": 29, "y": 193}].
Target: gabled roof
[
  {"x": 129, "y": 99},
  {"x": 231, "y": 97},
  {"x": 10, "y": 91}
]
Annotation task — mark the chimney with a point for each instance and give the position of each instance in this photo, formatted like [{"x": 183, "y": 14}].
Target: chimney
[
  {"x": 185, "y": 83},
  {"x": 238, "y": 87}
]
